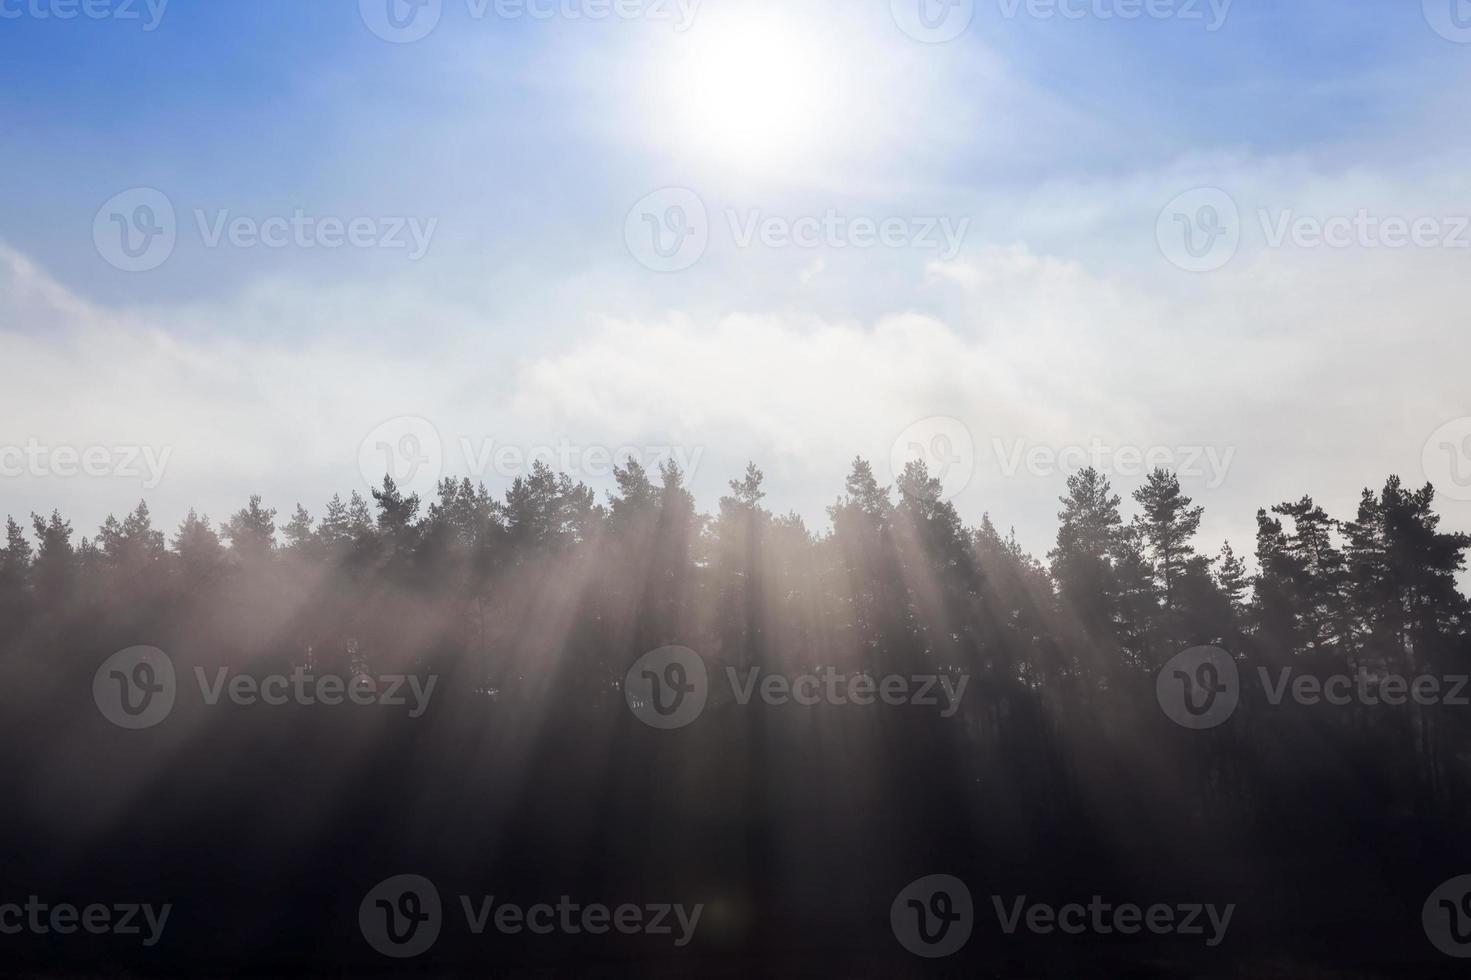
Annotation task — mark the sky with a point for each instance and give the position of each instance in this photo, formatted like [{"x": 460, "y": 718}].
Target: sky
[{"x": 278, "y": 247}]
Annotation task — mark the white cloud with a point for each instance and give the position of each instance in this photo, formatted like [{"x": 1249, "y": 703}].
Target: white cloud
[{"x": 1324, "y": 371}]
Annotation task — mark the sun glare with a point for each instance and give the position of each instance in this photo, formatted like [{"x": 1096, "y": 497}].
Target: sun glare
[{"x": 754, "y": 89}]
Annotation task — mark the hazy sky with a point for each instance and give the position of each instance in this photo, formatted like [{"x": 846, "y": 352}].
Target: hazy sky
[{"x": 268, "y": 246}]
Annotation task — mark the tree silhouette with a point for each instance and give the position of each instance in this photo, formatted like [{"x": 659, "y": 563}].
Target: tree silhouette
[{"x": 1058, "y": 765}]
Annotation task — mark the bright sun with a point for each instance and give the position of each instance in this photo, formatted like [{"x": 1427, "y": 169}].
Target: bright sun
[{"x": 754, "y": 89}]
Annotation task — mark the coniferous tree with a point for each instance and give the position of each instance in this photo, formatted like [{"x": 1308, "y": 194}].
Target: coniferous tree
[
  {"x": 301, "y": 537},
  {"x": 1317, "y": 579},
  {"x": 198, "y": 549},
  {"x": 1089, "y": 536},
  {"x": 1401, "y": 572},
  {"x": 15, "y": 574},
  {"x": 1232, "y": 578},
  {"x": 1168, "y": 524},
  {"x": 56, "y": 564},
  {"x": 252, "y": 532}
]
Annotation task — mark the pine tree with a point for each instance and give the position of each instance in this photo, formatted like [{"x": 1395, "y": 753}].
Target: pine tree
[
  {"x": 1089, "y": 534},
  {"x": 56, "y": 564},
  {"x": 15, "y": 557},
  {"x": 15, "y": 571},
  {"x": 198, "y": 548},
  {"x": 1232, "y": 578},
  {"x": 547, "y": 512},
  {"x": 1402, "y": 573},
  {"x": 1167, "y": 524},
  {"x": 334, "y": 533},
  {"x": 300, "y": 536},
  {"x": 396, "y": 515},
  {"x": 131, "y": 546},
  {"x": 946, "y": 579},
  {"x": 252, "y": 532},
  {"x": 636, "y": 500}
]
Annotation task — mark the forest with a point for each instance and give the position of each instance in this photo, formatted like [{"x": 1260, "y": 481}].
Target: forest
[{"x": 1053, "y": 774}]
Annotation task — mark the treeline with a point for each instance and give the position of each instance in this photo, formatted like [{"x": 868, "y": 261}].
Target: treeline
[
  {"x": 529, "y": 772},
  {"x": 898, "y": 576}
]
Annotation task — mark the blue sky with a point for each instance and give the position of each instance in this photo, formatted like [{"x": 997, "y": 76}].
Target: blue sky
[{"x": 517, "y": 145}]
